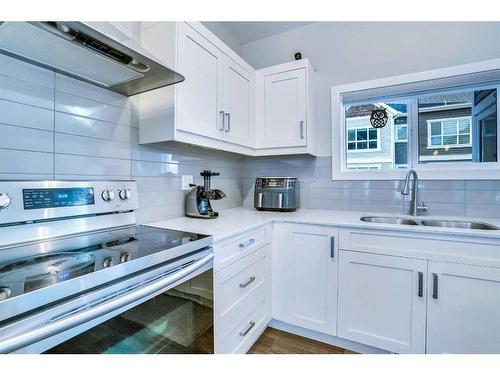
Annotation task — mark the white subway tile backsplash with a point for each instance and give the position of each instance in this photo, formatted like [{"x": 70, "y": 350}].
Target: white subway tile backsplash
[
  {"x": 85, "y": 165},
  {"x": 19, "y": 91},
  {"x": 78, "y": 145},
  {"x": 80, "y": 106},
  {"x": 15, "y": 137},
  {"x": 12, "y": 113},
  {"x": 18, "y": 162}
]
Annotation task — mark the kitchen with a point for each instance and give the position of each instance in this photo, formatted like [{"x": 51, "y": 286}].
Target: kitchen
[{"x": 236, "y": 187}]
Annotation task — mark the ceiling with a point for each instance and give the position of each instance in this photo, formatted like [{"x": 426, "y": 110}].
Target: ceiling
[{"x": 246, "y": 31}]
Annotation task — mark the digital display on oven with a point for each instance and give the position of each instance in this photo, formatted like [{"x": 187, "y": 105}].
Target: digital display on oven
[{"x": 57, "y": 197}]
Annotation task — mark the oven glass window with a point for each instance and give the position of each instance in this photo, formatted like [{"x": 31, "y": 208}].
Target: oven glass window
[{"x": 177, "y": 322}]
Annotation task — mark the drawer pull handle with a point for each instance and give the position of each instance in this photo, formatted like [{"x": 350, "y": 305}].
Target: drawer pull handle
[
  {"x": 249, "y": 328},
  {"x": 249, "y": 242},
  {"x": 420, "y": 284},
  {"x": 250, "y": 280}
]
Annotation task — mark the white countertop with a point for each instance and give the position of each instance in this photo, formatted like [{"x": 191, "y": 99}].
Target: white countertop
[{"x": 240, "y": 219}]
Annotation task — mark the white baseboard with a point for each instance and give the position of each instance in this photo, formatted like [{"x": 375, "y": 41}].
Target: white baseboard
[{"x": 327, "y": 339}]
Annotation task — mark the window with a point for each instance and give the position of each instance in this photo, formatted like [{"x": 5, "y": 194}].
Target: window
[
  {"x": 364, "y": 139},
  {"x": 454, "y": 132},
  {"x": 441, "y": 123}
]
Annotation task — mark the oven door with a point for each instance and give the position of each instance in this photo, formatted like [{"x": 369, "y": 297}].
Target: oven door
[{"x": 167, "y": 309}]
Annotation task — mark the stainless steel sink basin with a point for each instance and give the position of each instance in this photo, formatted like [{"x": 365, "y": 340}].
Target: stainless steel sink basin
[
  {"x": 458, "y": 224},
  {"x": 388, "y": 220}
]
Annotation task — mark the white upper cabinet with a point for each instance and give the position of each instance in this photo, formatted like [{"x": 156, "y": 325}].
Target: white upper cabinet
[
  {"x": 382, "y": 301},
  {"x": 222, "y": 104},
  {"x": 214, "y": 106},
  {"x": 305, "y": 276},
  {"x": 198, "y": 97},
  {"x": 285, "y": 109},
  {"x": 285, "y": 118},
  {"x": 236, "y": 112},
  {"x": 464, "y": 309}
]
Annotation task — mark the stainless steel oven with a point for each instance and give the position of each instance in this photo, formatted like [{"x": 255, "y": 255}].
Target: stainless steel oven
[{"x": 78, "y": 275}]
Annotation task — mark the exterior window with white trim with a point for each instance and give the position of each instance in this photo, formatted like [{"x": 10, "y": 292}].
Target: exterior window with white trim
[{"x": 449, "y": 132}]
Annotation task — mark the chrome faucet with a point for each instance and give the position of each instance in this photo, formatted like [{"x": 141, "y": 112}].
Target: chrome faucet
[{"x": 416, "y": 206}]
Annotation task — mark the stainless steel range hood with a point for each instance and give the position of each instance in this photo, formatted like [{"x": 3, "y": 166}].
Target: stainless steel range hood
[{"x": 80, "y": 51}]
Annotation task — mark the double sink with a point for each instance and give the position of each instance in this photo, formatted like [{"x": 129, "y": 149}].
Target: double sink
[{"x": 466, "y": 224}]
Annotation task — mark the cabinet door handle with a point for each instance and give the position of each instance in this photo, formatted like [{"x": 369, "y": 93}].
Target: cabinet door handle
[
  {"x": 221, "y": 122},
  {"x": 420, "y": 284},
  {"x": 228, "y": 122},
  {"x": 249, "y": 242},
  {"x": 332, "y": 247},
  {"x": 435, "y": 285},
  {"x": 301, "y": 125},
  {"x": 250, "y": 280},
  {"x": 248, "y": 329}
]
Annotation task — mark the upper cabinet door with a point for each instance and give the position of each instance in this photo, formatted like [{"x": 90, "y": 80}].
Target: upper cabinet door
[
  {"x": 237, "y": 104},
  {"x": 382, "y": 301},
  {"x": 285, "y": 107},
  {"x": 305, "y": 276},
  {"x": 198, "y": 97},
  {"x": 463, "y": 309}
]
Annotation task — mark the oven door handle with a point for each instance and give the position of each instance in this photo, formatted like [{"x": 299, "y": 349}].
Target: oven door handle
[{"x": 56, "y": 326}]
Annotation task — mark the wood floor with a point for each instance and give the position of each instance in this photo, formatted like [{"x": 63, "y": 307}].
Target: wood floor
[{"x": 274, "y": 341}]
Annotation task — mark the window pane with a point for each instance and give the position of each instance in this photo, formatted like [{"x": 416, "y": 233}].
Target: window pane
[
  {"x": 401, "y": 154},
  {"x": 448, "y": 117},
  {"x": 362, "y": 134},
  {"x": 436, "y": 128},
  {"x": 401, "y": 133},
  {"x": 368, "y": 148}
]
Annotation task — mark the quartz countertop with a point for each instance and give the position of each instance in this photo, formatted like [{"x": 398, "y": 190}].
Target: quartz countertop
[{"x": 237, "y": 220}]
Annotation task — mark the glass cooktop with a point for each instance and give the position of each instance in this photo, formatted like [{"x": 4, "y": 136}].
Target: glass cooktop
[{"x": 37, "y": 265}]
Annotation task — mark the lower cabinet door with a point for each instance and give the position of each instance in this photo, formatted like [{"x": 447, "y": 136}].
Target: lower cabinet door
[
  {"x": 382, "y": 301},
  {"x": 464, "y": 309},
  {"x": 305, "y": 276}
]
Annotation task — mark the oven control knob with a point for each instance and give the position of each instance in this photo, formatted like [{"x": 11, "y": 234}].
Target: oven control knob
[
  {"x": 4, "y": 200},
  {"x": 125, "y": 257},
  {"x": 108, "y": 262},
  {"x": 108, "y": 195},
  {"x": 4, "y": 292},
  {"x": 125, "y": 194}
]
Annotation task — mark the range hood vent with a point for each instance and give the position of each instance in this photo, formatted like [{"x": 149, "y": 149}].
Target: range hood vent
[{"x": 77, "y": 50}]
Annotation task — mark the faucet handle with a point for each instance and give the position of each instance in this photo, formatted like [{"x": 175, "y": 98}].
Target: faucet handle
[{"x": 421, "y": 207}]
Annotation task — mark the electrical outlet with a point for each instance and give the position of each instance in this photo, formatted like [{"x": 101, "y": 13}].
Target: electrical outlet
[{"x": 186, "y": 180}]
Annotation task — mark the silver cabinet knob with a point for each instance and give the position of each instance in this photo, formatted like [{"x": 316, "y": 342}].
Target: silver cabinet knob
[
  {"x": 125, "y": 194},
  {"x": 108, "y": 195},
  {"x": 4, "y": 200}
]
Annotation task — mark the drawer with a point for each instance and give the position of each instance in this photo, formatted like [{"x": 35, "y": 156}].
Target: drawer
[
  {"x": 240, "y": 287},
  {"x": 230, "y": 250},
  {"x": 245, "y": 333}
]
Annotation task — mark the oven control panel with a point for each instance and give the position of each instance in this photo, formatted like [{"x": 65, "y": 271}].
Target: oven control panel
[{"x": 22, "y": 201}]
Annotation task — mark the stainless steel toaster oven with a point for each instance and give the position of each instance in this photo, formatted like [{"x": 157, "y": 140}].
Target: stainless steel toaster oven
[{"x": 276, "y": 194}]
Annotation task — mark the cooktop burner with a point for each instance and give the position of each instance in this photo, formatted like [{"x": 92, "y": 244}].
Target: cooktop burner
[{"x": 33, "y": 266}]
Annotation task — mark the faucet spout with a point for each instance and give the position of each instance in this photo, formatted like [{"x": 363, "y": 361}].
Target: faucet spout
[{"x": 415, "y": 206}]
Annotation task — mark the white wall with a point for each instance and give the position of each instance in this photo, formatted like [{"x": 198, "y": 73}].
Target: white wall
[{"x": 345, "y": 52}]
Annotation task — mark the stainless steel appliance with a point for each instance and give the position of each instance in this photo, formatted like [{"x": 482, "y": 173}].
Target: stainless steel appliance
[
  {"x": 197, "y": 203},
  {"x": 78, "y": 275},
  {"x": 78, "y": 50},
  {"x": 276, "y": 194}
]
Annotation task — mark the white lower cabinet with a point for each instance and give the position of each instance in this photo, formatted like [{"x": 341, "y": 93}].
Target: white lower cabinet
[
  {"x": 305, "y": 276},
  {"x": 242, "y": 301},
  {"x": 463, "y": 309},
  {"x": 382, "y": 301}
]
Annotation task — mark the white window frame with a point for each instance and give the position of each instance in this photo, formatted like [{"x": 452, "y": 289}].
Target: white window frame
[
  {"x": 366, "y": 150},
  {"x": 450, "y": 78},
  {"x": 441, "y": 120}
]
